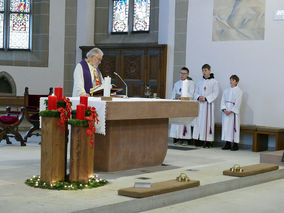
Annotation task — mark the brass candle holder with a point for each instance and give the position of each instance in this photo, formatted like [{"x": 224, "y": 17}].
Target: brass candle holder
[
  {"x": 183, "y": 178},
  {"x": 236, "y": 168}
]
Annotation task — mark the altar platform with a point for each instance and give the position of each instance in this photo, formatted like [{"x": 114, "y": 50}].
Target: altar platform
[{"x": 19, "y": 163}]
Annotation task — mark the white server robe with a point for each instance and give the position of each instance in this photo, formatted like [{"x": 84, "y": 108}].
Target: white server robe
[
  {"x": 178, "y": 130},
  {"x": 231, "y": 101},
  {"x": 204, "y": 124}
]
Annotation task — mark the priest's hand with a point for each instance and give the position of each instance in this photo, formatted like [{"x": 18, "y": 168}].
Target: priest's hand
[
  {"x": 86, "y": 94},
  {"x": 201, "y": 99},
  {"x": 227, "y": 112}
]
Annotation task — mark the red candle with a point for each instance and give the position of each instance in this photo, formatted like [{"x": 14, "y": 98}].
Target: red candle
[
  {"x": 59, "y": 92},
  {"x": 84, "y": 100},
  {"x": 52, "y": 102},
  {"x": 80, "y": 115}
]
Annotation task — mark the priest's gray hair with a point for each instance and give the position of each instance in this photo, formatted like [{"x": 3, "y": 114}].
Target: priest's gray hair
[{"x": 95, "y": 51}]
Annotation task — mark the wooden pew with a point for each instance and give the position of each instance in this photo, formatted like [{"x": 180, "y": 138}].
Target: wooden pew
[
  {"x": 14, "y": 101},
  {"x": 260, "y": 136}
]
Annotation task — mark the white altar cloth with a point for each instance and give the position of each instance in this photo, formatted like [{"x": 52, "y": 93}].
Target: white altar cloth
[{"x": 101, "y": 109}]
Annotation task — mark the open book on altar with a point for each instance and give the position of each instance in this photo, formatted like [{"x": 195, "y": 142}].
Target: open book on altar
[{"x": 99, "y": 90}]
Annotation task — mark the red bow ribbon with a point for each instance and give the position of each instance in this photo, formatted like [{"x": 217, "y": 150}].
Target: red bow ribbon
[
  {"x": 91, "y": 119},
  {"x": 63, "y": 118},
  {"x": 68, "y": 107},
  {"x": 65, "y": 114}
]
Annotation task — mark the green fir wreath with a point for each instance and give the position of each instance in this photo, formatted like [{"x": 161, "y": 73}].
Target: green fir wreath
[
  {"x": 76, "y": 122},
  {"x": 59, "y": 103},
  {"x": 49, "y": 113},
  {"x": 93, "y": 182}
]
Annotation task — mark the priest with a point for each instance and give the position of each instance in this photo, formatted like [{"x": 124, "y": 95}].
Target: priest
[
  {"x": 230, "y": 106},
  {"x": 206, "y": 92},
  {"x": 87, "y": 74},
  {"x": 182, "y": 133}
]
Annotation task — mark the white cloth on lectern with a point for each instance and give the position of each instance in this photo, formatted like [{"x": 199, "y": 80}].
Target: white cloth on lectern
[
  {"x": 177, "y": 130},
  {"x": 185, "y": 88},
  {"x": 107, "y": 86}
]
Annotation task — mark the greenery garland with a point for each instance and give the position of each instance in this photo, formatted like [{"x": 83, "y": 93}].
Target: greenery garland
[
  {"x": 93, "y": 182},
  {"x": 49, "y": 113},
  {"x": 74, "y": 113},
  {"x": 59, "y": 103},
  {"x": 76, "y": 122}
]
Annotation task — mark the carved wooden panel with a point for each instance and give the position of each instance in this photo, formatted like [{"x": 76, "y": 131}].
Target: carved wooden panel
[
  {"x": 108, "y": 66},
  {"x": 110, "y": 62},
  {"x": 154, "y": 64},
  {"x": 138, "y": 64},
  {"x": 133, "y": 67}
]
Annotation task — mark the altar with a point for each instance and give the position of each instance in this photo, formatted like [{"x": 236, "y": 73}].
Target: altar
[
  {"x": 137, "y": 133},
  {"x": 133, "y": 132}
]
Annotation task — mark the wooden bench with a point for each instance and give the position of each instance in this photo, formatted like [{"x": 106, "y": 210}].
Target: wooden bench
[
  {"x": 260, "y": 136},
  {"x": 15, "y": 102}
]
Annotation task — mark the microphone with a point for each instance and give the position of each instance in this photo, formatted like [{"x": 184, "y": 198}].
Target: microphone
[{"x": 126, "y": 88}]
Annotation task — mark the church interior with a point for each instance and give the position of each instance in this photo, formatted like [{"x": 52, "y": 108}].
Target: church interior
[{"x": 42, "y": 41}]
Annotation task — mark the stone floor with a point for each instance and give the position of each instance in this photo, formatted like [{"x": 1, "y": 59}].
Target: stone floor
[
  {"x": 19, "y": 163},
  {"x": 262, "y": 198}
]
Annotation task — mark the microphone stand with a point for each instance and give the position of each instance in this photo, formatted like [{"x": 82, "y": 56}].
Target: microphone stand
[{"x": 126, "y": 88}]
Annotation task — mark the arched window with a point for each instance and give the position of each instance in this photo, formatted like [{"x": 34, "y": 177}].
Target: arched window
[
  {"x": 15, "y": 24},
  {"x": 120, "y": 16},
  {"x": 138, "y": 10},
  {"x": 141, "y": 16}
]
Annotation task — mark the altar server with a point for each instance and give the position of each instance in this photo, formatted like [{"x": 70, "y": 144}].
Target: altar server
[
  {"x": 230, "y": 106},
  {"x": 206, "y": 92},
  {"x": 87, "y": 74},
  {"x": 182, "y": 88}
]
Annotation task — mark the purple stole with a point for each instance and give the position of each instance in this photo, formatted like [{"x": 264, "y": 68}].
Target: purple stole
[{"x": 87, "y": 76}]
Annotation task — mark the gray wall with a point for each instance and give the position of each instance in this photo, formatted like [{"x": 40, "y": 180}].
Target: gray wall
[
  {"x": 258, "y": 63},
  {"x": 103, "y": 20},
  {"x": 38, "y": 56},
  {"x": 70, "y": 45},
  {"x": 181, "y": 11},
  {"x": 46, "y": 68}
]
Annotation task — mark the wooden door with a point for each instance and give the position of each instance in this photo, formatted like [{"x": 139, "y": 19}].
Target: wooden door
[{"x": 138, "y": 64}]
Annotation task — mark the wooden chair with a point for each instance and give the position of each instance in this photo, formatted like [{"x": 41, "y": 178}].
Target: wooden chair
[
  {"x": 31, "y": 103},
  {"x": 9, "y": 123}
]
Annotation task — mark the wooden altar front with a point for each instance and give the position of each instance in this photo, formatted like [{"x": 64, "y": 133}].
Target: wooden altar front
[{"x": 137, "y": 133}]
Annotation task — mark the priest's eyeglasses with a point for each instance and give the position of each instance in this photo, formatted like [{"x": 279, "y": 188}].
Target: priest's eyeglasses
[
  {"x": 183, "y": 73},
  {"x": 99, "y": 59}
]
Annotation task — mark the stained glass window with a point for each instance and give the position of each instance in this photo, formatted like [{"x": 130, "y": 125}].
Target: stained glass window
[
  {"x": 1, "y": 22},
  {"x": 19, "y": 31},
  {"x": 120, "y": 16},
  {"x": 141, "y": 21},
  {"x": 1, "y": 5},
  {"x": 20, "y": 6},
  {"x": 15, "y": 28},
  {"x": 1, "y": 29}
]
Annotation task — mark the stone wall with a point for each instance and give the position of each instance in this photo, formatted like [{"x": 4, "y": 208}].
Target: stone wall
[
  {"x": 103, "y": 22},
  {"x": 38, "y": 56}
]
